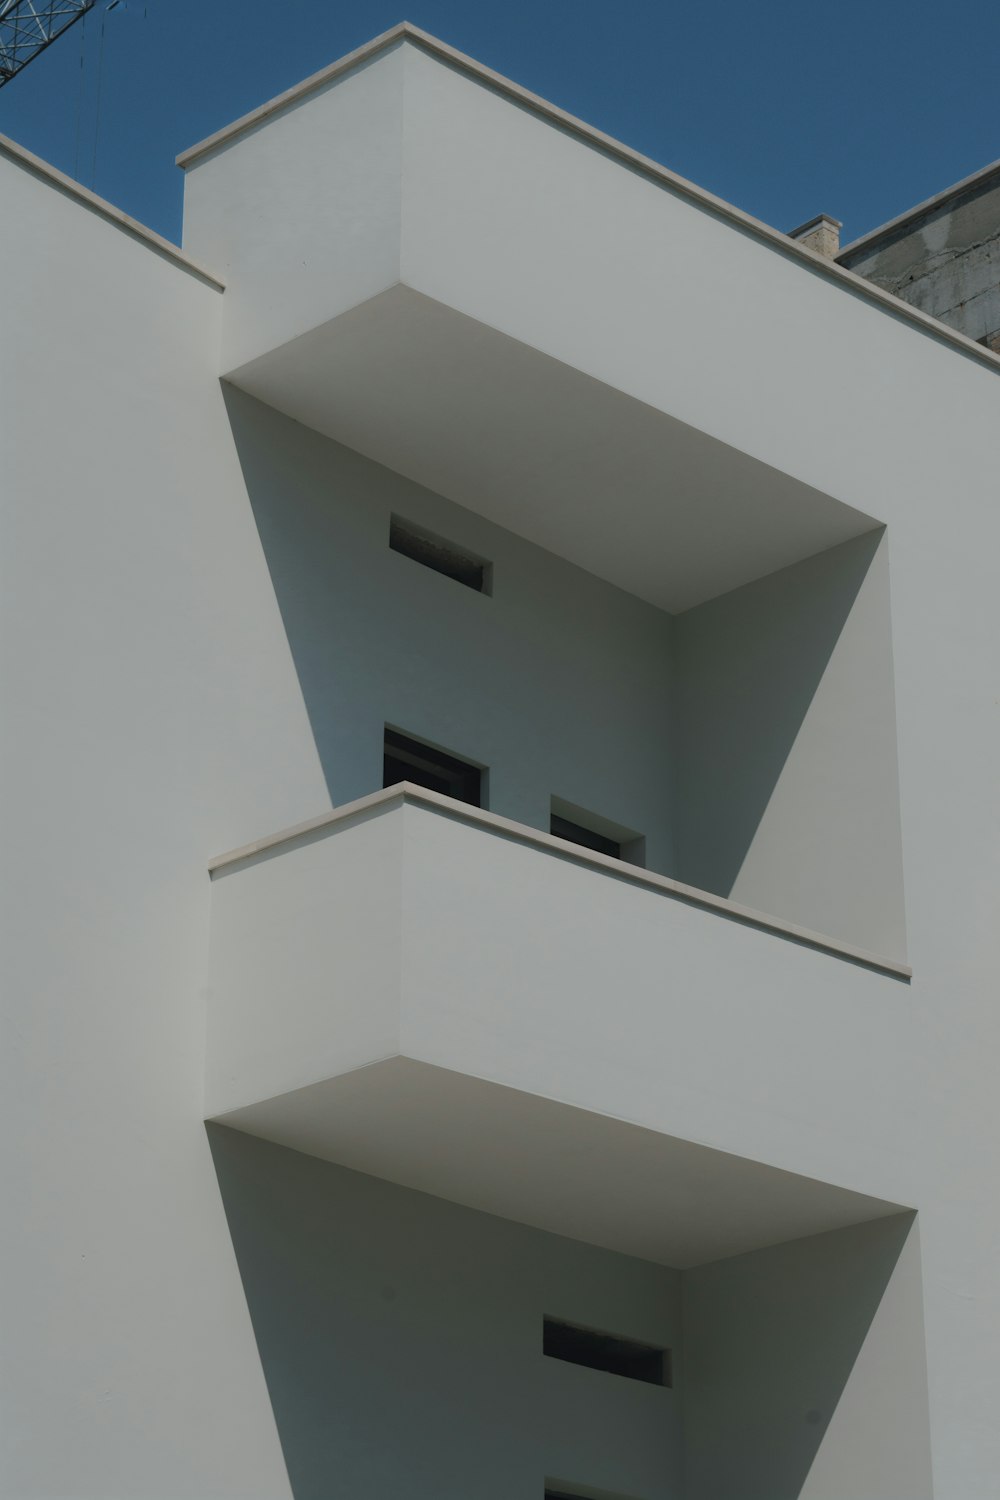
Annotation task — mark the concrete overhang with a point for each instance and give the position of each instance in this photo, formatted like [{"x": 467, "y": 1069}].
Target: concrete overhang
[
  {"x": 657, "y": 507},
  {"x": 544, "y": 1163},
  {"x": 436, "y": 996},
  {"x": 431, "y": 268}
]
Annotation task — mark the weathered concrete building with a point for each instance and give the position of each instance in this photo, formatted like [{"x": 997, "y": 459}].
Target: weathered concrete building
[
  {"x": 594, "y": 1015},
  {"x": 942, "y": 256}
]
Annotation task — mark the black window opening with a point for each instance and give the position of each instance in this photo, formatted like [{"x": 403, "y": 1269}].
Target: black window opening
[
  {"x": 551, "y": 1494},
  {"x": 585, "y": 837},
  {"x": 606, "y": 1351},
  {"x": 444, "y": 557},
  {"x": 560, "y": 1491},
  {"x": 404, "y": 759},
  {"x": 591, "y": 831}
]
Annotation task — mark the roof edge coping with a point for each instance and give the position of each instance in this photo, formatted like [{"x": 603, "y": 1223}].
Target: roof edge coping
[
  {"x": 403, "y": 792},
  {"x": 937, "y": 200},
  {"x": 590, "y": 135},
  {"x": 59, "y": 180},
  {"x": 814, "y": 223}
]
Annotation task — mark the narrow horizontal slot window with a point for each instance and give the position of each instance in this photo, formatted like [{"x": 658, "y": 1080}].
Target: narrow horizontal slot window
[
  {"x": 606, "y": 1351},
  {"x": 443, "y": 557},
  {"x": 404, "y": 759}
]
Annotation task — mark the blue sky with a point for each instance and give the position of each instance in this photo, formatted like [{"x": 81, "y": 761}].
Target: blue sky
[{"x": 786, "y": 109}]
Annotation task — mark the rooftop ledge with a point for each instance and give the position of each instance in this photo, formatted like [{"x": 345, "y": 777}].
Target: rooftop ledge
[
  {"x": 395, "y": 796},
  {"x": 975, "y": 181},
  {"x": 454, "y": 279},
  {"x": 105, "y": 210},
  {"x": 406, "y": 31}
]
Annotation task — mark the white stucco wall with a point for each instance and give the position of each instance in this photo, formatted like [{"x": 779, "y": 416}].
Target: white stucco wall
[
  {"x": 786, "y": 790},
  {"x": 154, "y": 716},
  {"x": 321, "y": 208},
  {"x": 794, "y": 368},
  {"x": 142, "y": 653}
]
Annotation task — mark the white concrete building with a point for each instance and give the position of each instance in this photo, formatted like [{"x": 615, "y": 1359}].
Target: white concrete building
[{"x": 610, "y": 1109}]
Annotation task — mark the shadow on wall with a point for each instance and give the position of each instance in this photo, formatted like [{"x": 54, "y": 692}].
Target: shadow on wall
[
  {"x": 751, "y": 739},
  {"x": 555, "y": 681},
  {"x": 771, "y": 1339},
  {"x": 747, "y": 668},
  {"x": 308, "y": 546},
  {"x": 786, "y": 782},
  {"x": 401, "y": 1339}
]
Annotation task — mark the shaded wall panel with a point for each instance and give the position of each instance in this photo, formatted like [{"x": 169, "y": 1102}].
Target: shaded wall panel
[
  {"x": 401, "y": 1339},
  {"x": 787, "y": 786}
]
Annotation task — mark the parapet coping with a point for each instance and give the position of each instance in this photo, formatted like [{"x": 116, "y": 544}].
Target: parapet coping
[
  {"x": 406, "y": 792},
  {"x": 406, "y": 31},
  {"x": 814, "y": 223},
  {"x": 106, "y": 210},
  {"x": 992, "y": 169}
]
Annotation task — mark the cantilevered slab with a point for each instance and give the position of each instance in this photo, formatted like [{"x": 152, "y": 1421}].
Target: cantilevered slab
[
  {"x": 618, "y": 487},
  {"x": 547, "y": 1164},
  {"x": 434, "y": 995},
  {"x": 516, "y": 316}
]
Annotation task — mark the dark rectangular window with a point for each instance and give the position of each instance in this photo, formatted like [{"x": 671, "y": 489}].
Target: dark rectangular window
[
  {"x": 576, "y": 834},
  {"x": 605, "y": 1351},
  {"x": 562, "y": 1493},
  {"x": 404, "y": 759},
  {"x": 590, "y": 830},
  {"x": 444, "y": 557}
]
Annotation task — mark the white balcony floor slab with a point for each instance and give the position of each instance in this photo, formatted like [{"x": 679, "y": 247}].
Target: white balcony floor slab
[
  {"x": 661, "y": 509},
  {"x": 434, "y": 995},
  {"x": 539, "y": 1162}
]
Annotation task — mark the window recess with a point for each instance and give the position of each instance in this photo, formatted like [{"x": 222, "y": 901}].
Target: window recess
[
  {"x": 440, "y": 555},
  {"x": 585, "y": 837},
  {"x": 590, "y": 831},
  {"x": 558, "y": 1490},
  {"x": 562, "y": 1493},
  {"x": 606, "y": 1351},
  {"x": 406, "y": 759}
]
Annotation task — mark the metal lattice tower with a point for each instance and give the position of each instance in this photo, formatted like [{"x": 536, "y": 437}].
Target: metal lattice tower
[{"x": 28, "y": 26}]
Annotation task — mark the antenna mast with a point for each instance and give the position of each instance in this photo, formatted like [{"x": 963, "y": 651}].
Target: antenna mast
[{"x": 27, "y": 27}]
